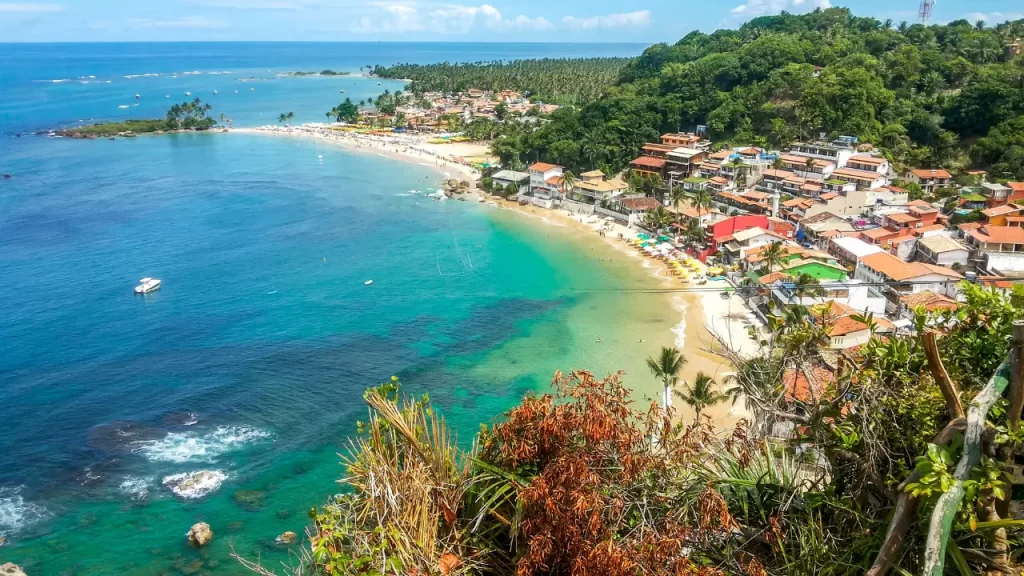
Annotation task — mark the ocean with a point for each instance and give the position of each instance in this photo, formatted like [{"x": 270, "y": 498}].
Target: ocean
[{"x": 227, "y": 395}]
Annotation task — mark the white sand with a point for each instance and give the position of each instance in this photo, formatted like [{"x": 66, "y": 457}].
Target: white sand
[
  {"x": 447, "y": 158},
  {"x": 725, "y": 319}
]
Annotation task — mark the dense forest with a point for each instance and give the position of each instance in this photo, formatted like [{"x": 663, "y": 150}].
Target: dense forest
[
  {"x": 559, "y": 80},
  {"x": 943, "y": 95}
]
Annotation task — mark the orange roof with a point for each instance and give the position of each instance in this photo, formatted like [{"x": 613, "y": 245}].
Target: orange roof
[
  {"x": 556, "y": 180},
  {"x": 1001, "y": 210},
  {"x": 876, "y": 233},
  {"x": 718, "y": 180},
  {"x": 755, "y": 195},
  {"x": 996, "y": 282},
  {"x": 1016, "y": 186},
  {"x": 856, "y": 174},
  {"x": 932, "y": 228},
  {"x": 846, "y": 325},
  {"x": 967, "y": 226},
  {"x": 721, "y": 155},
  {"x": 828, "y": 195},
  {"x": 750, "y": 151},
  {"x": 649, "y": 162},
  {"x": 802, "y": 160},
  {"x": 927, "y": 173},
  {"x": 798, "y": 382},
  {"x": 543, "y": 167},
  {"x": 930, "y": 300},
  {"x": 770, "y": 278},
  {"x": 902, "y": 217},
  {"x": 830, "y": 234},
  {"x": 999, "y": 234},
  {"x": 872, "y": 160},
  {"x": 645, "y": 203},
  {"x": 778, "y": 174},
  {"x": 892, "y": 267}
]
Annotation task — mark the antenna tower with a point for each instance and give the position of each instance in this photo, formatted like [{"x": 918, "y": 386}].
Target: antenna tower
[{"x": 926, "y": 11}]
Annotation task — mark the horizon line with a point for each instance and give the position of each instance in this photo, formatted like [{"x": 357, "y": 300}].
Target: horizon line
[{"x": 643, "y": 42}]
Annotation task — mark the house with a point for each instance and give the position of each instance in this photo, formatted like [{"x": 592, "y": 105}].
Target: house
[
  {"x": 719, "y": 184},
  {"x": 998, "y": 216},
  {"x": 863, "y": 179},
  {"x": 942, "y": 250},
  {"x": 634, "y": 208},
  {"x": 867, "y": 163},
  {"x": 704, "y": 217},
  {"x": 736, "y": 246},
  {"x": 657, "y": 150},
  {"x": 848, "y": 331},
  {"x": 682, "y": 163},
  {"x": 744, "y": 203},
  {"x": 546, "y": 180},
  {"x": 896, "y": 278},
  {"x": 1016, "y": 192},
  {"x": 930, "y": 301},
  {"x": 782, "y": 227},
  {"x": 849, "y": 250},
  {"x": 997, "y": 194},
  {"x": 807, "y": 167},
  {"x": 839, "y": 155},
  {"x": 812, "y": 227},
  {"x": 505, "y": 178},
  {"x": 647, "y": 166},
  {"x": 854, "y": 295},
  {"x": 997, "y": 248},
  {"x": 722, "y": 232},
  {"x": 686, "y": 140},
  {"x": 594, "y": 187},
  {"x": 930, "y": 180},
  {"x": 773, "y": 178}
]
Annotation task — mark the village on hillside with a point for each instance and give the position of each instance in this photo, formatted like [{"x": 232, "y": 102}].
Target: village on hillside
[{"x": 819, "y": 224}]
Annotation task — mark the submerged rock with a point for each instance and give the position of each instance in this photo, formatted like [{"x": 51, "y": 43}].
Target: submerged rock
[
  {"x": 11, "y": 569},
  {"x": 288, "y": 538},
  {"x": 200, "y": 534},
  {"x": 251, "y": 500}
]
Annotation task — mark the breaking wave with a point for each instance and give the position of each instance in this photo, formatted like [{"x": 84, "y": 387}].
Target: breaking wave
[
  {"x": 136, "y": 487},
  {"x": 16, "y": 513},
  {"x": 181, "y": 447},
  {"x": 192, "y": 485}
]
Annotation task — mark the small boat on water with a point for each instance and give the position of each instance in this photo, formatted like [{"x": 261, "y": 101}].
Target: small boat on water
[
  {"x": 368, "y": 283},
  {"x": 236, "y": 91},
  {"x": 214, "y": 92},
  {"x": 188, "y": 93},
  {"x": 341, "y": 91},
  {"x": 252, "y": 89},
  {"x": 147, "y": 285},
  {"x": 137, "y": 96}
]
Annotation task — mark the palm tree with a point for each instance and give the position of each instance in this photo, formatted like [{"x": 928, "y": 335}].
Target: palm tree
[
  {"x": 701, "y": 201},
  {"x": 773, "y": 254},
  {"x": 282, "y": 118},
  {"x": 702, "y": 394},
  {"x": 676, "y": 195},
  {"x": 807, "y": 286},
  {"x": 291, "y": 115},
  {"x": 568, "y": 181},
  {"x": 666, "y": 367}
]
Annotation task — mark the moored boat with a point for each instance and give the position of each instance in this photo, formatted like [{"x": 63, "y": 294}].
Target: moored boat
[{"x": 147, "y": 285}]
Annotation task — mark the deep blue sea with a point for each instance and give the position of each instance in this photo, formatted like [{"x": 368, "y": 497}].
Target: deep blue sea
[{"x": 249, "y": 364}]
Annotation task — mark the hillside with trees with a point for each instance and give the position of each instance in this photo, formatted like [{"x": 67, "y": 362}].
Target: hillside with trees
[
  {"x": 561, "y": 80},
  {"x": 928, "y": 96}
]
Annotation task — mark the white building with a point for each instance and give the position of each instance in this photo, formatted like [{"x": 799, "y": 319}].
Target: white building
[
  {"x": 835, "y": 154},
  {"x": 546, "y": 180},
  {"x": 896, "y": 278},
  {"x": 850, "y": 250},
  {"x": 505, "y": 177},
  {"x": 942, "y": 251}
]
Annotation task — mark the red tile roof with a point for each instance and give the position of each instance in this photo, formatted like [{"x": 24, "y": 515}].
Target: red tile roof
[
  {"x": 649, "y": 162},
  {"x": 778, "y": 174},
  {"x": 928, "y": 173},
  {"x": 930, "y": 300},
  {"x": 892, "y": 267},
  {"x": 856, "y": 174},
  {"x": 799, "y": 383},
  {"x": 642, "y": 204},
  {"x": 770, "y": 278},
  {"x": 902, "y": 217},
  {"x": 543, "y": 167},
  {"x": 999, "y": 234},
  {"x": 872, "y": 160},
  {"x": 1001, "y": 210}
]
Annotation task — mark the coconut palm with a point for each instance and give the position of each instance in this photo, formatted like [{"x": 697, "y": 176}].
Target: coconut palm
[
  {"x": 702, "y": 201},
  {"x": 666, "y": 367},
  {"x": 282, "y": 118},
  {"x": 568, "y": 182},
  {"x": 807, "y": 286},
  {"x": 772, "y": 255},
  {"x": 702, "y": 394},
  {"x": 676, "y": 196}
]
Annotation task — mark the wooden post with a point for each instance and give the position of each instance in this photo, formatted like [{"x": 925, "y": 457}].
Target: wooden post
[{"x": 1016, "y": 395}]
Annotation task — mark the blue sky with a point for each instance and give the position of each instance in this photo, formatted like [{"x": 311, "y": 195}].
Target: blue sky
[{"x": 424, "y": 20}]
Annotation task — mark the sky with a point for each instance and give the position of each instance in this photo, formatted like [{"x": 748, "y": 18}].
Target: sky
[{"x": 646, "y": 21}]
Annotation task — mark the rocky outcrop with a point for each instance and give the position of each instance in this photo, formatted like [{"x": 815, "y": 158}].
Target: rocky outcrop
[
  {"x": 288, "y": 538},
  {"x": 11, "y": 569},
  {"x": 200, "y": 534}
]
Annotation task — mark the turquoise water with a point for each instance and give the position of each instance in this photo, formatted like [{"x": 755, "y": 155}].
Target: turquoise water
[{"x": 250, "y": 362}]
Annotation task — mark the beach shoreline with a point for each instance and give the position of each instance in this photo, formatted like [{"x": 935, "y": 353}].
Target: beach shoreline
[{"x": 697, "y": 333}]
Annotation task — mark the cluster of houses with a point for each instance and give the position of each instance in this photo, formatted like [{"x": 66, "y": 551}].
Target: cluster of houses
[
  {"x": 833, "y": 209},
  {"x": 431, "y": 111}
]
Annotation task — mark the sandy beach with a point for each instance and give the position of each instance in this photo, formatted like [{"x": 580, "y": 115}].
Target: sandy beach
[
  {"x": 707, "y": 322},
  {"x": 448, "y": 158}
]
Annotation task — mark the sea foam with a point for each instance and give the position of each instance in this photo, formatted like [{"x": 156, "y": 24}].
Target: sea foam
[
  {"x": 16, "y": 513},
  {"x": 136, "y": 487},
  {"x": 181, "y": 447},
  {"x": 196, "y": 484}
]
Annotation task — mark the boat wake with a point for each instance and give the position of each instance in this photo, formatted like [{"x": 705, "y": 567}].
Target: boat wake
[
  {"x": 192, "y": 485},
  {"x": 16, "y": 513},
  {"x": 182, "y": 447}
]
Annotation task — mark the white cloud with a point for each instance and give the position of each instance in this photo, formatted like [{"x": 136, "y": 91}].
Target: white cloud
[
  {"x": 623, "y": 20},
  {"x": 23, "y": 8},
  {"x": 754, "y": 8},
  {"x": 444, "y": 19},
  {"x": 993, "y": 18},
  {"x": 184, "y": 22}
]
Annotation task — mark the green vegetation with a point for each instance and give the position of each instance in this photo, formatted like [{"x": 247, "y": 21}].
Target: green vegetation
[
  {"x": 922, "y": 94},
  {"x": 347, "y": 111},
  {"x": 185, "y": 116},
  {"x": 854, "y": 473},
  {"x": 560, "y": 80},
  {"x": 320, "y": 73}
]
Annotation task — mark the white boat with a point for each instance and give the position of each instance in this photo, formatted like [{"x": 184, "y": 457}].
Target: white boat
[
  {"x": 137, "y": 96},
  {"x": 252, "y": 89},
  {"x": 188, "y": 93},
  {"x": 147, "y": 285},
  {"x": 236, "y": 91},
  {"x": 214, "y": 92},
  {"x": 368, "y": 282}
]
